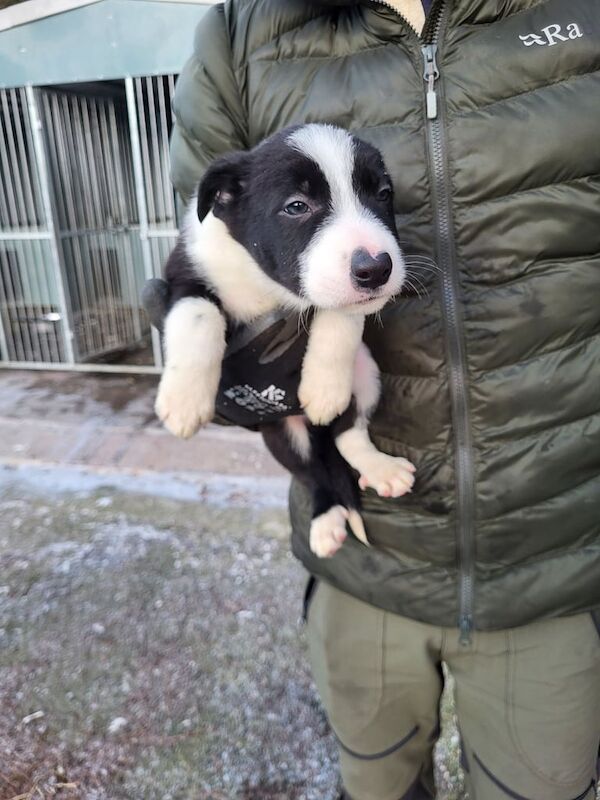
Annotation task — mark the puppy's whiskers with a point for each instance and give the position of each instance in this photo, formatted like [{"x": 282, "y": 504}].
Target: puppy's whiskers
[
  {"x": 422, "y": 262},
  {"x": 416, "y": 285},
  {"x": 302, "y": 320}
]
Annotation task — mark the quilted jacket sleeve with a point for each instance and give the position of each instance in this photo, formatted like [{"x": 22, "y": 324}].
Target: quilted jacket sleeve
[{"x": 209, "y": 115}]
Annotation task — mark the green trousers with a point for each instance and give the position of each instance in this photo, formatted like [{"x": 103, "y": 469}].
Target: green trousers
[{"x": 527, "y": 702}]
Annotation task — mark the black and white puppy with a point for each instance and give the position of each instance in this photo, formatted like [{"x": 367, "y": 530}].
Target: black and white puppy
[{"x": 303, "y": 221}]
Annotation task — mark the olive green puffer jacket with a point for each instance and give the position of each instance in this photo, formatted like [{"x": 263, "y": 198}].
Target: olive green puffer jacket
[{"x": 490, "y": 362}]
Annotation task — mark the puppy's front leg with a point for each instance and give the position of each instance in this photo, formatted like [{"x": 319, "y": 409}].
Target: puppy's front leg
[
  {"x": 328, "y": 367},
  {"x": 194, "y": 349}
]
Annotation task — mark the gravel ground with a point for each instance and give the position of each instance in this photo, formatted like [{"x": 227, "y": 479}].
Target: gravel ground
[{"x": 151, "y": 648}]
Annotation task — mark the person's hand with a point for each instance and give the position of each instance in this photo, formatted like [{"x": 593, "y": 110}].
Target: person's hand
[{"x": 262, "y": 364}]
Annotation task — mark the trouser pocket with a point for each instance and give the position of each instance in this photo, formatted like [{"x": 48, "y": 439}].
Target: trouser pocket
[
  {"x": 554, "y": 698},
  {"x": 528, "y": 706},
  {"x": 380, "y": 683}
]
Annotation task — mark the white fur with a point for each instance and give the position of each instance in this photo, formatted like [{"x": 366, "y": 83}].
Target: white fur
[
  {"x": 388, "y": 475},
  {"x": 245, "y": 291},
  {"x": 328, "y": 367},
  {"x": 333, "y": 150},
  {"x": 366, "y": 383},
  {"x": 336, "y": 364},
  {"x": 298, "y": 436},
  {"x": 325, "y": 264},
  {"x": 328, "y": 532},
  {"x": 194, "y": 349}
]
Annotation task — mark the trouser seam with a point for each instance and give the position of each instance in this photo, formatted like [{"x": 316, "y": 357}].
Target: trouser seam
[
  {"x": 382, "y": 626},
  {"x": 509, "y": 680},
  {"x": 381, "y": 665},
  {"x": 511, "y": 708},
  {"x": 510, "y": 792},
  {"x": 383, "y": 753}
]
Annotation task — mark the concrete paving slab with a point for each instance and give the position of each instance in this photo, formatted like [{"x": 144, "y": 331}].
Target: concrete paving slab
[
  {"x": 102, "y": 421},
  {"x": 151, "y": 646},
  {"x": 150, "y": 640}
]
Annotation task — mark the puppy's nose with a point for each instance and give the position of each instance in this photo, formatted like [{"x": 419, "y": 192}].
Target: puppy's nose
[{"x": 367, "y": 271}]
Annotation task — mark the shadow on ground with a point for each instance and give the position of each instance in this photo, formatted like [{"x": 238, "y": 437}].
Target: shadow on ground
[{"x": 152, "y": 649}]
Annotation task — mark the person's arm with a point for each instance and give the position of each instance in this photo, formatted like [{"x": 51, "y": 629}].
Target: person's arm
[{"x": 210, "y": 118}]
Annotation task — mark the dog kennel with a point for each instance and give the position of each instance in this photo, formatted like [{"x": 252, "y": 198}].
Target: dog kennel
[{"x": 87, "y": 211}]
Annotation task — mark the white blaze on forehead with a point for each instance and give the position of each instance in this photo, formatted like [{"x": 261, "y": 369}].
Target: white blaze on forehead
[
  {"x": 332, "y": 149},
  {"x": 325, "y": 263}
]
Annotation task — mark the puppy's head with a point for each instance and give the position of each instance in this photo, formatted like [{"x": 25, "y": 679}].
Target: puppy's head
[{"x": 313, "y": 206}]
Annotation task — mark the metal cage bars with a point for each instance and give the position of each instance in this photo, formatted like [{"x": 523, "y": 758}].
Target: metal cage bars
[
  {"x": 96, "y": 219},
  {"x": 33, "y": 303},
  {"x": 87, "y": 214}
]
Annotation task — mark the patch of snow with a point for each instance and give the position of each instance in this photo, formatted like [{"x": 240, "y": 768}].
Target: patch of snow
[{"x": 117, "y": 725}]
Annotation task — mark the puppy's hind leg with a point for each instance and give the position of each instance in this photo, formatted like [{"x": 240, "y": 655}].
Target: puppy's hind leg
[
  {"x": 308, "y": 453},
  {"x": 328, "y": 528},
  {"x": 390, "y": 476}
]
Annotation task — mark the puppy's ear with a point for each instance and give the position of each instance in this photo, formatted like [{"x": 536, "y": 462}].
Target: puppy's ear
[{"x": 222, "y": 184}]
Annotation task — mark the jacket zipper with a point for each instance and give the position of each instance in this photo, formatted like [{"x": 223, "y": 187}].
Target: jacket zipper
[{"x": 464, "y": 460}]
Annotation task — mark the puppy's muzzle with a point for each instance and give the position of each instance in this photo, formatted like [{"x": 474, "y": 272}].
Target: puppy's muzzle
[{"x": 369, "y": 272}]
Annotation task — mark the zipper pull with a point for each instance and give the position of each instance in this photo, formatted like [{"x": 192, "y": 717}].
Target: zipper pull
[
  {"x": 465, "y": 627},
  {"x": 430, "y": 74}
]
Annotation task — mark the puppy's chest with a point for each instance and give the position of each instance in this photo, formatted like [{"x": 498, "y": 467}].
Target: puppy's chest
[{"x": 242, "y": 299}]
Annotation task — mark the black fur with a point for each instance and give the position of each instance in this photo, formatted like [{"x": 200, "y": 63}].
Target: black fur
[
  {"x": 255, "y": 194},
  {"x": 183, "y": 280},
  {"x": 373, "y": 185},
  {"x": 249, "y": 192},
  {"x": 326, "y": 474},
  {"x": 222, "y": 185},
  {"x": 329, "y": 478}
]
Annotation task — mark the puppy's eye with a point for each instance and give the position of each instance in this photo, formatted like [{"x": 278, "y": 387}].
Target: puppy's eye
[
  {"x": 296, "y": 209},
  {"x": 384, "y": 194}
]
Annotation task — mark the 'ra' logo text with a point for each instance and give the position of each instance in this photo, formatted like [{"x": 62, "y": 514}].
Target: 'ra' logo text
[{"x": 553, "y": 34}]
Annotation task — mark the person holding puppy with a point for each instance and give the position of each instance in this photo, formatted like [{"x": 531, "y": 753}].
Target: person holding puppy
[{"x": 487, "y": 115}]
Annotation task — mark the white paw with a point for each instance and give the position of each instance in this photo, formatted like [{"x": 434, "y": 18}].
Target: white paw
[
  {"x": 324, "y": 396},
  {"x": 388, "y": 475},
  {"x": 184, "y": 403},
  {"x": 328, "y": 532}
]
